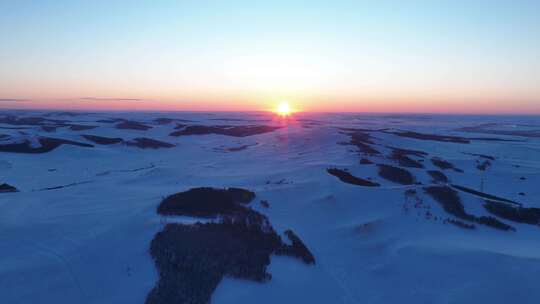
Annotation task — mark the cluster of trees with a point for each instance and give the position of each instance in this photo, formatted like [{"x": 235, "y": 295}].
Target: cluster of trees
[
  {"x": 365, "y": 161},
  {"x": 101, "y": 140},
  {"x": 438, "y": 176},
  {"x": 47, "y": 144},
  {"x": 483, "y": 165},
  {"x": 434, "y": 137},
  {"x": 451, "y": 203},
  {"x": 207, "y": 202},
  {"x": 484, "y": 195},
  {"x": 362, "y": 141},
  {"x": 192, "y": 259},
  {"x": 348, "y": 178},
  {"x": 132, "y": 125},
  {"x": 401, "y": 156},
  {"x": 493, "y": 222},
  {"x": 443, "y": 164},
  {"x": 459, "y": 223},
  {"x": 145, "y": 142},
  {"x": 236, "y": 131},
  {"x": 396, "y": 175},
  {"x": 516, "y": 214},
  {"x": 296, "y": 249}
]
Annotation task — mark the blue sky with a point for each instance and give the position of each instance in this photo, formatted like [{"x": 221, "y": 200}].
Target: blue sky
[{"x": 327, "y": 55}]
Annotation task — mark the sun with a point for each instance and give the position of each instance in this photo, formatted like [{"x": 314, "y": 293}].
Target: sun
[{"x": 284, "y": 109}]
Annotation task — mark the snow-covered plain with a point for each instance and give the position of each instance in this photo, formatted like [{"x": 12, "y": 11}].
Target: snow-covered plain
[{"x": 88, "y": 242}]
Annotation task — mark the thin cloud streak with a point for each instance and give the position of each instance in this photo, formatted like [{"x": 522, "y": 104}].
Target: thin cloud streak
[
  {"x": 111, "y": 99},
  {"x": 15, "y": 100}
]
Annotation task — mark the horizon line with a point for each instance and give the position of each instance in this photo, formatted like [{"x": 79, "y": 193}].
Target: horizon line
[{"x": 267, "y": 111}]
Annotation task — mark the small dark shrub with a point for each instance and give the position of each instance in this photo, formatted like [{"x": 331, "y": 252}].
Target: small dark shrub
[
  {"x": 4, "y": 188},
  {"x": 365, "y": 161},
  {"x": 438, "y": 176},
  {"x": 100, "y": 140}
]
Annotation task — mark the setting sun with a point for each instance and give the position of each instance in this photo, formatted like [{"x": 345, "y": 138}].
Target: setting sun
[{"x": 284, "y": 109}]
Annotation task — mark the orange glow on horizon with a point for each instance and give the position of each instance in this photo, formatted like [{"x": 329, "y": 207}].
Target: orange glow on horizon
[{"x": 254, "y": 103}]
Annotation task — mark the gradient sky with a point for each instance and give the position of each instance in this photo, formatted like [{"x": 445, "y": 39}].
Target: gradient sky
[{"x": 376, "y": 56}]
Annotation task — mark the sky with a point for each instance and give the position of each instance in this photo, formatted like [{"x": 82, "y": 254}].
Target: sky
[{"x": 338, "y": 56}]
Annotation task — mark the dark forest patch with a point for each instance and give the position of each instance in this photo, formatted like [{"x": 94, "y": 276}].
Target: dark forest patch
[
  {"x": 163, "y": 121},
  {"x": 297, "y": 248},
  {"x": 237, "y": 148},
  {"x": 193, "y": 259},
  {"x": 489, "y": 157},
  {"x": 101, "y": 140},
  {"x": 234, "y": 149},
  {"x": 514, "y": 213},
  {"x": 362, "y": 141},
  {"x": 235, "y": 131},
  {"x": 438, "y": 176},
  {"x": 366, "y": 149},
  {"x": 396, "y": 175},
  {"x": 132, "y": 125},
  {"x": 449, "y": 199},
  {"x": 240, "y": 119},
  {"x": 365, "y": 161},
  {"x": 491, "y": 128},
  {"x": 148, "y": 143},
  {"x": 484, "y": 195},
  {"x": 495, "y": 139},
  {"x": 443, "y": 164},
  {"x": 81, "y": 127},
  {"x": 403, "y": 151},
  {"x": 49, "y": 128},
  {"x": 69, "y": 114},
  {"x": 47, "y": 125},
  {"x": 401, "y": 157},
  {"x": 6, "y": 188},
  {"x": 29, "y": 121},
  {"x": 47, "y": 144},
  {"x": 459, "y": 224},
  {"x": 206, "y": 202},
  {"x": 348, "y": 178},
  {"x": 110, "y": 120},
  {"x": 361, "y": 136},
  {"x": 166, "y": 121},
  {"x": 432, "y": 137},
  {"x": 180, "y": 126}
]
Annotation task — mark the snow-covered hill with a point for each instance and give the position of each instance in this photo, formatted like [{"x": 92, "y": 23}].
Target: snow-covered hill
[{"x": 414, "y": 208}]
